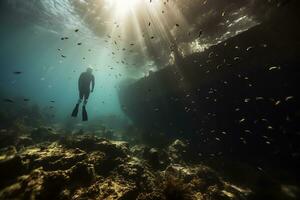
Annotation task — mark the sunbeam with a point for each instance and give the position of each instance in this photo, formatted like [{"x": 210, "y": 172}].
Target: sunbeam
[{"x": 122, "y": 7}]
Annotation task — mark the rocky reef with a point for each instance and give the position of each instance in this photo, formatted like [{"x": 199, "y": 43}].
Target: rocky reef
[{"x": 47, "y": 165}]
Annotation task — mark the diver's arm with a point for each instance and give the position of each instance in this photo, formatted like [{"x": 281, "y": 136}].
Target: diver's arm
[{"x": 93, "y": 83}]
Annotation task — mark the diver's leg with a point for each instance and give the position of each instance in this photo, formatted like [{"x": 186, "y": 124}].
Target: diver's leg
[
  {"x": 86, "y": 97},
  {"x": 81, "y": 95},
  {"x": 84, "y": 112}
]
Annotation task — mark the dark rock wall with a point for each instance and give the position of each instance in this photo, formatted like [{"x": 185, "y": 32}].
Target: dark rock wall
[{"x": 240, "y": 95}]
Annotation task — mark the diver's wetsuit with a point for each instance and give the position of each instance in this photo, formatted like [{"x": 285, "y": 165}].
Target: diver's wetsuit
[{"x": 84, "y": 83}]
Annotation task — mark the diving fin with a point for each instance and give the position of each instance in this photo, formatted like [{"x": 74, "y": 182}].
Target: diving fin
[
  {"x": 84, "y": 114},
  {"x": 75, "y": 111}
]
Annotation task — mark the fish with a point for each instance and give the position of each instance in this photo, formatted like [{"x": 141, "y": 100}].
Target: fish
[
  {"x": 26, "y": 100},
  {"x": 289, "y": 98},
  {"x": 249, "y": 48},
  {"x": 8, "y": 100},
  {"x": 200, "y": 33},
  {"x": 17, "y": 72},
  {"x": 274, "y": 68}
]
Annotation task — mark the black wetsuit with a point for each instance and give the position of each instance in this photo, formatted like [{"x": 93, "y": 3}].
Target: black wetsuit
[{"x": 84, "y": 83}]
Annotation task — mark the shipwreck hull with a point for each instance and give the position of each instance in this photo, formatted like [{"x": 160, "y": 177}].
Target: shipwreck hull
[{"x": 238, "y": 94}]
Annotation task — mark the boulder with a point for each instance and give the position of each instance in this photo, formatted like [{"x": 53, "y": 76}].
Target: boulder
[
  {"x": 177, "y": 151},
  {"x": 118, "y": 189},
  {"x": 7, "y": 138},
  {"x": 82, "y": 173},
  {"x": 24, "y": 141},
  {"x": 11, "y": 165}
]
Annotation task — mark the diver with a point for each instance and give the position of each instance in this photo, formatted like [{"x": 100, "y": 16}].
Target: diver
[{"x": 84, "y": 86}]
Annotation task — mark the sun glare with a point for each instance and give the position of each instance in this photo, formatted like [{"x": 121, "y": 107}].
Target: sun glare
[{"x": 122, "y": 6}]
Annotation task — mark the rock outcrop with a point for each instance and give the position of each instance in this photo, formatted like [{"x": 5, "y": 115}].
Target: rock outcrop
[{"x": 88, "y": 167}]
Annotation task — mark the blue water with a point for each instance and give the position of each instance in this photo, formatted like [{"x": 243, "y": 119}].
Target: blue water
[{"x": 46, "y": 76}]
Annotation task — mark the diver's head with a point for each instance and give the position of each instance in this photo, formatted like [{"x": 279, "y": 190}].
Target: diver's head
[{"x": 89, "y": 70}]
